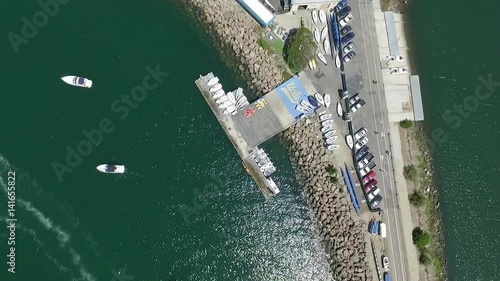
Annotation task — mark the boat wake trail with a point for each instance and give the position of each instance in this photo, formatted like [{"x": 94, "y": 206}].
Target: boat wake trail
[{"x": 62, "y": 236}]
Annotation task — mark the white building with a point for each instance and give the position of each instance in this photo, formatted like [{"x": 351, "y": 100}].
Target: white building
[{"x": 312, "y": 4}]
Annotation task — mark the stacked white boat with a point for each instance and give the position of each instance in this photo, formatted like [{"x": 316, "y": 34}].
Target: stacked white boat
[
  {"x": 263, "y": 161},
  {"x": 319, "y": 17},
  {"x": 305, "y": 107},
  {"x": 328, "y": 131},
  {"x": 231, "y": 102}
]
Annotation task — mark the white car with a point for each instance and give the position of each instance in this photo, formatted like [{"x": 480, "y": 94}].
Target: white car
[
  {"x": 354, "y": 99},
  {"x": 361, "y": 143},
  {"x": 343, "y": 22},
  {"x": 364, "y": 171},
  {"x": 357, "y": 105},
  {"x": 360, "y": 133},
  {"x": 363, "y": 163}
]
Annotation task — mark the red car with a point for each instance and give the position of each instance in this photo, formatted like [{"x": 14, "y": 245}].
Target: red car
[
  {"x": 370, "y": 185},
  {"x": 368, "y": 177}
]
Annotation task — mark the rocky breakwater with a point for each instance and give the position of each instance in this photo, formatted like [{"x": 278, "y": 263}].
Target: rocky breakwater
[
  {"x": 343, "y": 234},
  {"x": 236, "y": 33}
]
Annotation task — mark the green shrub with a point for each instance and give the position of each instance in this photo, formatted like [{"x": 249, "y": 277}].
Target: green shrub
[
  {"x": 332, "y": 170},
  {"x": 300, "y": 49},
  {"x": 410, "y": 172},
  {"x": 417, "y": 198},
  {"x": 406, "y": 124},
  {"x": 420, "y": 238},
  {"x": 424, "y": 259}
]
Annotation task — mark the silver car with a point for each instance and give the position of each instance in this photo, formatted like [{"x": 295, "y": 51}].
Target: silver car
[{"x": 349, "y": 47}]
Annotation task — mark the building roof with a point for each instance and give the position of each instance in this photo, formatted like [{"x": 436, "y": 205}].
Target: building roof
[
  {"x": 392, "y": 37},
  {"x": 258, "y": 11},
  {"x": 307, "y": 2}
]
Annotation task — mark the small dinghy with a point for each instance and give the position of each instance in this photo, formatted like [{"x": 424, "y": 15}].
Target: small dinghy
[
  {"x": 225, "y": 104},
  {"x": 330, "y": 134},
  {"x": 337, "y": 61},
  {"x": 302, "y": 109},
  {"x": 314, "y": 14},
  {"x": 322, "y": 16},
  {"x": 326, "y": 129},
  {"x": 311, "y": 66},
  {"x": 331, "y": 140},
  {"x": 325, "y": 117},
  {"x": 218, "y": 94},
  {"x": 321, "y": 112},
  {"x": 332, "y": 147},
  {"x": 77, "y": 81},
  {"x": 340, "y": 112},
  {"x": 313, "y": 101},
  {"x": 212, "y": 81},
  {"x": 322, "y": 58},
  {"x": 316, "y": 36},
  {"x": 306, "y": 104},
  {"x": 231, "y": 97},
  {"x": 349, "y": 141},
  {"x": 327, "y": 100},
  {"x": 215, "y": 88},
  {"x": 222, "y": 99},
  {"x": 324, "y": 33},
  {"x": 231, "y": 109},
  {"x": 239, "y": 93},
  {"x": 327, "y": 123},
  {"x": 111, "y": 169},
  {"x": 319, "y": 98},
  {"x": 326, "y": 45}
]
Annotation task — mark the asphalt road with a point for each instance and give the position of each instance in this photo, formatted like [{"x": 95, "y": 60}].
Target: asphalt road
[{"x": 360, "y": 72}]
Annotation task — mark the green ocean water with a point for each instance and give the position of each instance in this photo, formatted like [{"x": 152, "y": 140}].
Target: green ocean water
[
  {"x": 150, "y": 223},
  {"x": 456, "y": 50}
]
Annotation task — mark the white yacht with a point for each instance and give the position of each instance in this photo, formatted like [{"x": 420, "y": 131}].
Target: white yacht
[
  {"x": 77, "y": 81},
  {"x": 111, "y": 169}
]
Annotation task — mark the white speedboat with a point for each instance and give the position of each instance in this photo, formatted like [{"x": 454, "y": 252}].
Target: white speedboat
[
  {"x": 316, "y": 36},
  {"x": 337, "y": 61},
  {"x": 212, "y": 81},
  {"x": 324, "y": 33},
  {"x": 325, "y": 117},
  {"x": 331, "y": 140},
  {"x": 302, "y": 109},
  {"x": 330, "y": 134},
  {"x": 327, "y": 123},
  {"x": 322, "y": 16},
  {"x": 218, "y": 94},
  {"x": 322, "y": 58},
  {"x": 231, "y": 97},
  {"x": 77, "y": 81},
  {"x": 327, "y": 100},
  {"x": 326, "y": 46},
  {"x": 215, "y": 88},
  {"x": 226, "y": 104},
  {"x": 332, "y": 147},
  {"x": 326, "y": 129},
  {"x": 111, "y": 169},
  {"x": 310, "y": 64},
  {"x": 340, "y": 112},
  {"x": 222, "y": 99},
  {"x": 349, "y": 141},
  {"x": 319, "y": 98},
  {"x": 314, "y": 14}
]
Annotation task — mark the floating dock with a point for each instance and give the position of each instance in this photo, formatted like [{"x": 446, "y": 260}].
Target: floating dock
[{"x": 259, "y": 121}]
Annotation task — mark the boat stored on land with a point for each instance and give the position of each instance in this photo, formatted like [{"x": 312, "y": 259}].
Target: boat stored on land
[
  {"x": 319, "y": 98},
  {"x": 324, "y": 33},
  {"x": 349, "y": 141},
  {"x": 212, "y": 81},
  {"x": 331, "y": 140},
  {"x": 111, "y": 168},
  {"x": 337, "y": 61},
  {"x": 77, "y": 81},
  {"x": 330, "y": 134},
  {"x": 326, "y": 45},
  {"x": 231, "y": 97},
  {"x": 317, "y": 36},
  {"x": 325, "y": 117},
  {"x": 327, "y": 123},
  {"x": 327, "y": 100},
  {"x": 302, "y": 109},
  {"x": 326, "y": 129},
  {"x": 332, "y": 147},
  {"x": 215, "y": 88},
  {"x": 322, "y": 58},
  {"x": 340, "y": 111},
  {"x": 314, "y": 14},
  {"x": 322, "y": 16}
]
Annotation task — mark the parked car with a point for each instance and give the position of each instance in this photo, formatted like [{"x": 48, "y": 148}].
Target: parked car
[
  {"x": 340, "y": 5},
  {"x": 363, "y": 162},
  {"x": 366, "y": 169},
  {"x": 375, "y": 201},
  {"x": 361, "y": 152},
  {"x": 345, "y": 30},
  {"x": 357, "y": 105},
  {"x": 371, "y": 184},
  {"x": 343, "y": 22},
  {"x": 344, "y": 12},
  {"x": 371, "y": 175},
  {"x": 349, "y": 56},
  {"x": 360, "y": 133},
  {"x": 354, "y": 99},
  {"x": 346, "y": 38},
  {"x": 360, "y": 143},
  {"x": 349, "y": 47},
  {"x": 385, "y": 263}
]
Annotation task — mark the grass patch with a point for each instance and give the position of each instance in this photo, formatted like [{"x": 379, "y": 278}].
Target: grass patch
[
  {"x": 410, "y": 172},
  {"x": 278, "y": 45},
  {"x": 264, "y": 44},
  {"x": 385, "y": 5}
]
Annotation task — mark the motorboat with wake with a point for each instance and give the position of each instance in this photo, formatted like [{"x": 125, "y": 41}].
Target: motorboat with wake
[
  {"x": 319, "y": 98},
  {"x": 325, "y": 117},
  {"x": 215, "y": 88},
  {"x": 327, "y": 100},
  {"x": 316, "y": 36},
  {"x": 340, "y": 112},
  {"x": 77, "y": 81},
  {"x": 330, "y": 134},
  {"x": 111, "y": 168},
  {"x": 314, "y": 14},
  {"x": 322, "y": 58},
  {"x": 212, "y": 81}
]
